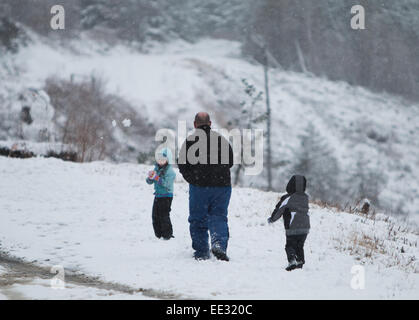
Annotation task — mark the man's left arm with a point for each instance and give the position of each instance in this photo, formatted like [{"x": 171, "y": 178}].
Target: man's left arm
[
  {"x": 231, "y": 155},
  {"x": 183, "y": 165}
]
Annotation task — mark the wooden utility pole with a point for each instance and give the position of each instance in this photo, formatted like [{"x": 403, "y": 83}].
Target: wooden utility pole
[{"x": 268, "y": 120}]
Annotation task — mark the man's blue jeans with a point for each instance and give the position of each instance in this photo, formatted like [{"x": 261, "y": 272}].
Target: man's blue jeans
[{"x": 208, "y": 209}]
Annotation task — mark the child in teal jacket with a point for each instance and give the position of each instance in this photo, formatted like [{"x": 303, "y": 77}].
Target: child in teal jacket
[{"x": 163, "y": 177}]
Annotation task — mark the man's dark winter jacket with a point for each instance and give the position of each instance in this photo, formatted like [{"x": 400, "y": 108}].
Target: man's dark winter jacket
[
  {"x": 294, "y": 208},
  {"x": 207, "y": 173}
]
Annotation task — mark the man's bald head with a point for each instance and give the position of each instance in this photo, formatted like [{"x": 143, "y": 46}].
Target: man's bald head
[{"x": 202, "y": 119}]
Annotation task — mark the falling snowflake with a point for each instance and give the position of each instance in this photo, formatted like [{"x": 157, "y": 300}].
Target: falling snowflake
[
  {"x": 113, "y": 123},
  {"x": 126, "y": 123}
]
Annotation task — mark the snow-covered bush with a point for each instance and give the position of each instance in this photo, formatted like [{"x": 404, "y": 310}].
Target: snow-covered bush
[
  {"x": 36, "y": 116},
  {"x": 27, "y": 115}
]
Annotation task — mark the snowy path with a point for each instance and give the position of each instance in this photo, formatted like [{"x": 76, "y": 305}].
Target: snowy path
[
  {"x": 95, "y": 219},
  {"x": 20, "y": 279}
]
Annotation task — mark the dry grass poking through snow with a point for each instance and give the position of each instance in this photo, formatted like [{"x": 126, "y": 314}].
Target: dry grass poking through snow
[
  {"x": 364, "y": 245},
  {"x": 377, "y": 237},
  {"x": 381, "y": 239}
]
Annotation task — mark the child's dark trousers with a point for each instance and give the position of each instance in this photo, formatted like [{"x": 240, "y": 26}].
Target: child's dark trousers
[
  {"x": 295, "y": 247},
  {"x": 161, "y": 217}
]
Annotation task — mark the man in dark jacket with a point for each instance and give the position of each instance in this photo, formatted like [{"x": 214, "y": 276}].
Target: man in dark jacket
[
  {"x": 204, "y": 161},
  {"x": 293, "y": 207}
]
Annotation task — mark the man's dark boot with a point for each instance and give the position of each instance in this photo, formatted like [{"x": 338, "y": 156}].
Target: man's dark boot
[
  {"x": 220, "y": 254},
  {"x": 201, "y": 256}
]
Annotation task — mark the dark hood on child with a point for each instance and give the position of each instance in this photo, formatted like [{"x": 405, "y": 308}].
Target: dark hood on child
[{"x": 297, "y": 184}]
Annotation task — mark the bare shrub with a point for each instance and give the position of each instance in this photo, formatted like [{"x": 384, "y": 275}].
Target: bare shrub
[{"x": 84, "y": 113}]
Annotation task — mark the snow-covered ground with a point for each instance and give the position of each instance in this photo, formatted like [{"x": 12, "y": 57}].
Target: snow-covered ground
[{"x": 95, "y": 220}]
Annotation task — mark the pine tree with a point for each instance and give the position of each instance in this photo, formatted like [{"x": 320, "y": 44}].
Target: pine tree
[
  {"x": 316, "y": 161},
  {"x": 250, "y": 114},
  {"x": 365, "y": 182}
]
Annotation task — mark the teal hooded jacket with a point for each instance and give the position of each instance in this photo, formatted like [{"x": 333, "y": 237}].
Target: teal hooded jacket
[{"x": 165, "y": 186}]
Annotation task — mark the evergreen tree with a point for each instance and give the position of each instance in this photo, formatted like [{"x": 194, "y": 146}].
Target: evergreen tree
[
  {"x": 250, "y": 114},
  {"x": 315, "y": 160},
  {"x": 365, "y": 182}
]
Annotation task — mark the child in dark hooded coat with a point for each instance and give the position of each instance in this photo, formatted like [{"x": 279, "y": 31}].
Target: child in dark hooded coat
[{"x": 293, "y": 207}]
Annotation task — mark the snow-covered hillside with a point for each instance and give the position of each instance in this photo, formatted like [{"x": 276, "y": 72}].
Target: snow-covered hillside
[
  {"x": 95, "y": 220},
  {"x": 173, "y": 81}
]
